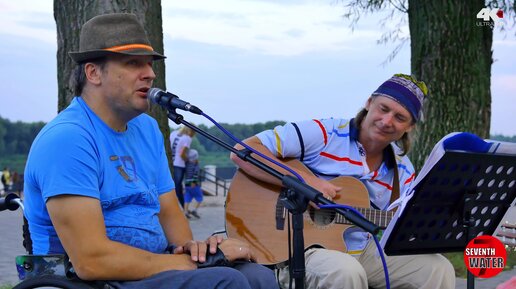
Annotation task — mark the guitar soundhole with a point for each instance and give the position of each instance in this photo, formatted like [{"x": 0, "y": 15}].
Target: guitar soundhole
[{"x": 322, "y": 217}]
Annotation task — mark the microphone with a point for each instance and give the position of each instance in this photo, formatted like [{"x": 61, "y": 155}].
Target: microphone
[{"x": 170, "y": 101}]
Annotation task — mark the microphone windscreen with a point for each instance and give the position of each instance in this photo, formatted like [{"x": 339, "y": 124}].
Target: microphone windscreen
[{"x": 154, "y": 94}]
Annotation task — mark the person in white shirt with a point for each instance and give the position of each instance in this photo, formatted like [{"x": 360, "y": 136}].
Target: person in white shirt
[{"x": 180, "y": 141}]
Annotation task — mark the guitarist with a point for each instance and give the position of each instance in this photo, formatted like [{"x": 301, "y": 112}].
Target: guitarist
[{"x": 363, "y": 148}]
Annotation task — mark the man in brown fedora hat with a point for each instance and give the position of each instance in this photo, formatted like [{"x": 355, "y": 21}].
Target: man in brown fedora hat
[{"x": 98, "y": 187}]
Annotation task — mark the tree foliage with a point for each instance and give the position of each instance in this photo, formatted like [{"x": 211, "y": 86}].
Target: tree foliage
[
  {"x": 16, "y": 139},
  {"x": 452, "y": 54},
  {"x": 239, "y": 130}
]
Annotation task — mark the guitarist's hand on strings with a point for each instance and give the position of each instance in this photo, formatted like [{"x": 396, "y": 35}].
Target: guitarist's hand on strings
[{"x": 328, "y": 189}]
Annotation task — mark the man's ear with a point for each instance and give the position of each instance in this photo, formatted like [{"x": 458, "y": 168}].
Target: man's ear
[
  {"x": 411, "y": 127},
  {"x": 93, "y": 73},
  {"x": 368, "y": 103}
]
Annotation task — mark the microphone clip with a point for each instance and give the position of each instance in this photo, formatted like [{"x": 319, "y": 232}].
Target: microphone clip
[{"x": 174, "y": 116}]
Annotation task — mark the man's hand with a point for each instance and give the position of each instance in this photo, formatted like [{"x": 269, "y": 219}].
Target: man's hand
[
  {"x": 185, "y": 263},
  {"x": 235, "y": 249},
  {"x": 198, "y": 249},
  {"x": 328, "y": 189}
]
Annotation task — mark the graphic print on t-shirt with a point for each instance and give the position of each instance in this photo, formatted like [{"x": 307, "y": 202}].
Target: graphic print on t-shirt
[{"x": 127, "y": 167}]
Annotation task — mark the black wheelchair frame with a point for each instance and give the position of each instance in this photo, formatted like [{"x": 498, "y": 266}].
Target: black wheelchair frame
[{"x": 47, "y": 278}]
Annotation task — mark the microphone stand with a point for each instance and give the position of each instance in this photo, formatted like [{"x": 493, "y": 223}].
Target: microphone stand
[{"x": 296, "y": 200}]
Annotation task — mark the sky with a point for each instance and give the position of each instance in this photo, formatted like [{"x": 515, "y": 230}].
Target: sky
[{"x": 242, "y": 61}]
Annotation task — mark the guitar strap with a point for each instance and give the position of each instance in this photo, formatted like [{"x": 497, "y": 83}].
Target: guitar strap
[
  {"x": 301, "y": 142},
  {"x": 396, "y": 181}
]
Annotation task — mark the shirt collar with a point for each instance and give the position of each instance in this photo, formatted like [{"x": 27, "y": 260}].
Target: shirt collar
[{"x": 388, "y": 152}]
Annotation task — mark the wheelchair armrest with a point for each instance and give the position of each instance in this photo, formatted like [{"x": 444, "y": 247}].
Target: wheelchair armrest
[
  {"x": 36, "y": 271},
  {"x": 31, "y": 266},
  {"x": 55, "y": 281}
]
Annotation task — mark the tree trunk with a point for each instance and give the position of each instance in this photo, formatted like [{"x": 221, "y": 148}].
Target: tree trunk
[
  {"x": 453, "y": 56},
  {"x": 70, "y": 15}
]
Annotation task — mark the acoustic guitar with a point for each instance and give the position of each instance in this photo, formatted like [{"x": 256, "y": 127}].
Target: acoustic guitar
[{"x": 254, "y": 214}]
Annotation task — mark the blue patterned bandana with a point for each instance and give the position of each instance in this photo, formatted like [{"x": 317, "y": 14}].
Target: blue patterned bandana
[{"x": 405, "y": 90}]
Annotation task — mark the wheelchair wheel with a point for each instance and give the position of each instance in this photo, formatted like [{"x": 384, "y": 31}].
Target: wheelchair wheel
[{"x": 53, "y": 281}]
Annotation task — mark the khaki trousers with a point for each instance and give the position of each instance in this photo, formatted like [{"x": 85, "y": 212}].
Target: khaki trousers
[{"x": 329, "y": 269}]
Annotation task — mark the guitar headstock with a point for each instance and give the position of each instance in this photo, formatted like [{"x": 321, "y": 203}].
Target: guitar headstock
[{"x": 507, "y": 234}]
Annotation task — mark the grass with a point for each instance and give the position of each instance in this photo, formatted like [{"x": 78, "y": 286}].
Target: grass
[
  {"x": 457, "y": 260},
  {"x": 6, "y": 286}
]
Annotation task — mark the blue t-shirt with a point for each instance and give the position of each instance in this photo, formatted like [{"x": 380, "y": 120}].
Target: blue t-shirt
[{"x": 78, "y": 154}]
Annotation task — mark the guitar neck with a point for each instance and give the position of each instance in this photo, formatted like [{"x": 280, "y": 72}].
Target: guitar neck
[{"x": 378, "y": 217}]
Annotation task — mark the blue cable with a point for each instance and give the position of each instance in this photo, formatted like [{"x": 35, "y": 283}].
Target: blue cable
[
  {"x": 251, "y": 149},
  {"x": 341, "y": 206},
  {"x": 384, "y": 263}
]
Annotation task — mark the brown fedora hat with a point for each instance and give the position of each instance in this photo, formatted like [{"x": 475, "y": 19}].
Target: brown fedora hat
[{"x": 118, "y": 33}]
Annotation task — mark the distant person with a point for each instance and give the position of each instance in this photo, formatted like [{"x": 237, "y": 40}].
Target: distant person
[
  {"x": 6, "y": 179},
  {"x": 16, "y": 183},
  {"x": 2, "y": 187},
  {"x": 180, "y": 141},
  {"x": 192, "y": 184},
  {"x": 22, "y": 182}
]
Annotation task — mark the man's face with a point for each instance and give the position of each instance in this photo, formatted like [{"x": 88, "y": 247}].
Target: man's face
[
  {"x": 386, "y": 120},
  {"x": 125, "y": 81}
]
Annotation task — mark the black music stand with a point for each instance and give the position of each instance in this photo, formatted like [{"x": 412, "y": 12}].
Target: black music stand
[{"x": 463, "y": 196}]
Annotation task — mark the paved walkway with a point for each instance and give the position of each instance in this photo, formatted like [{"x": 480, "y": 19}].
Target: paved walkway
[{"x": 212, "y": 219}]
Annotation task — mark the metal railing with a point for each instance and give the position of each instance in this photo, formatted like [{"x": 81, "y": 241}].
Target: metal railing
[{"x": 219, "y": 183}]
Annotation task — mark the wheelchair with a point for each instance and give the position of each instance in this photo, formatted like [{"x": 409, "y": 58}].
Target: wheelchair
[{"x": 44, "y": 271}]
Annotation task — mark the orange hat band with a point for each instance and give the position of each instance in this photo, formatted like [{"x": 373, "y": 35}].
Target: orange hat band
[{"x": 129, "y": 47}]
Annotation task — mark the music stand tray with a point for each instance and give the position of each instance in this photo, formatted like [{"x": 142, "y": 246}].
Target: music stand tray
[{"x": 464, "y": 195}]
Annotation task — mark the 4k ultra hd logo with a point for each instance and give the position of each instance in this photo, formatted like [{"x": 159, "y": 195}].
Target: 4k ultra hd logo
[{"x": 489, "y": 17}]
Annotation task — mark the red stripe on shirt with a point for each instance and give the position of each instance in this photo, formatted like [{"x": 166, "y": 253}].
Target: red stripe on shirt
[
  {"x": 323, "y": 131},
  {"x": 374, "y": 175},
  {"x": 340, "y": 159},
  {"x": 384, "y": 184},
  {"x": 410, "y": 179}
]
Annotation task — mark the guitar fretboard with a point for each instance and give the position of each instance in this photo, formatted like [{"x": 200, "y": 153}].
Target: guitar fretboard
[{"x": 380, "y": 218}]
